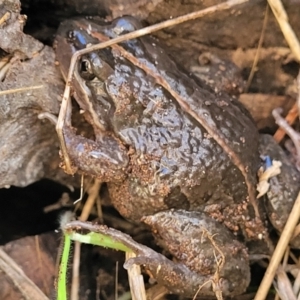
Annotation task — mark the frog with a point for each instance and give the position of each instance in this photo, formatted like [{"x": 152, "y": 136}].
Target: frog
[{"x": 175, "y": 154}]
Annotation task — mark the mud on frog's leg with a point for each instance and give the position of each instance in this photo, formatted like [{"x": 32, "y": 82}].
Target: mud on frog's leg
[{"x": 210, "y": 259}]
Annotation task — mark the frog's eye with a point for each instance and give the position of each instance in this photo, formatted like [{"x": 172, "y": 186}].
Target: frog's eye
[
  {"x": 71, "y": 35},
  {"x": 85, "y": 69}
]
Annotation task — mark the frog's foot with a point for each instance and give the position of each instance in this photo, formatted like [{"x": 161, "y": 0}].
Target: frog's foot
[
  {"x": 208, "y": 253},
  {"x": 177, "y": 277}
]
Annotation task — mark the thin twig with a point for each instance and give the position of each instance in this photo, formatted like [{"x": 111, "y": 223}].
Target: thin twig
[
  {"x": 256, "y": 57},
  {"x": 293, "y": 113},
  {"x": 294, "y": 135},
  {"x": 22, "y": 89},
  {"x": 290, "y": 118},
  {"x": 81, "y": 190},
  {"x": 279, "y": 251}
]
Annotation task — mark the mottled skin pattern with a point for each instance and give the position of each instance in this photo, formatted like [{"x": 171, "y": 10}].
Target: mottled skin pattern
[{"x": 155, "y": 154}]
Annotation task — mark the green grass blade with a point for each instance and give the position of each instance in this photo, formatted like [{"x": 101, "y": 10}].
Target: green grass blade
[
  {"x": 99, "y": 239},
  {"x": 62, "y": 276}
]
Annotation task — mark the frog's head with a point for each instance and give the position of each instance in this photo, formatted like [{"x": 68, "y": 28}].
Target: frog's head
[
  {"x": 75, "y": 34},
  {"x": 69, "y": 39},
  {"x": 94, "y": 68},
  {"x": 91, "y": 70}
]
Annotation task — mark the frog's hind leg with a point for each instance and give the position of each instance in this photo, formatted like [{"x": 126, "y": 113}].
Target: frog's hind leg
[{"x": 206, "y": 248}]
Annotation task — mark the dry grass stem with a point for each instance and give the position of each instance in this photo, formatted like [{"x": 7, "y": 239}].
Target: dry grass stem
[
  {"x": 63, "y": 201},
  {"x": 27, "y": 288},
  {"x": 215, "y": 280},
  {"x": 296, "y": 286},
  {"x": 93, "y": 193},
  {"x": 75, "y": 271},
  {"x": 279, "y": 251},
  {"x": 264, "y": 176},
  {"x": 4, "y": 67},
  {"x": 283, "y": 21},
  {"x": 4, "y": 18},
  {"x": 19, "y": 90},
  {"x": 283, "y": 285},
  {"x": 4, "y": 61},
  {"x": 136, "y": 280}
]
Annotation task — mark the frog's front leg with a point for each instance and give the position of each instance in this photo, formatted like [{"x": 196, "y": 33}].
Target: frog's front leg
[
  {"x": 105, "y": 159},
  {"x": 208, "y": 254}
]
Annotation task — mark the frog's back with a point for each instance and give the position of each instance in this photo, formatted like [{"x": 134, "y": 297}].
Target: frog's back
[{"x": 175, "y": 161}]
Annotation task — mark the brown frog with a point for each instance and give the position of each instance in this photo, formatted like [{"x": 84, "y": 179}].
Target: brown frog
[{"x": 174, "y": 153}]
